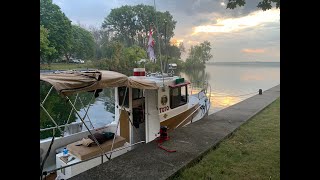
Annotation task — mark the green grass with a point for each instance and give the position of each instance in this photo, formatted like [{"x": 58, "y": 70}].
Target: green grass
[
  {"x": 252, "y": 152},
  {"x": 65, "y": 66}
]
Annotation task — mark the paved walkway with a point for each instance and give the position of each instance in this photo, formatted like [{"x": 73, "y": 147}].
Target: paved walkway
[{"x": 149, "y": 162}]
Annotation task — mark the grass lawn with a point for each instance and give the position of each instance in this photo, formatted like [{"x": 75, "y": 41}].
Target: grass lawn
[
  {"x": 252, "y": 152},
  {"x": 65, "y": 66}
]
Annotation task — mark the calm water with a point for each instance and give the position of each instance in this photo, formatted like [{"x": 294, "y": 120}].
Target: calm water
[{"x": 229, "y": 82}]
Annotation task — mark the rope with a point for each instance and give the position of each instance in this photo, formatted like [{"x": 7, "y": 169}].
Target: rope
[
  {"x": 54, "y": 122},
  {"x": 87, "y": 112},
  {"x": 75, "y": 100},
  {"x": 168, "y": 150},
  {"x": 135, "y": 129},
  {"x": 160, "y": 141},
  {"x": 47, "y": 95},
  {"x": 114, "y": 137}
]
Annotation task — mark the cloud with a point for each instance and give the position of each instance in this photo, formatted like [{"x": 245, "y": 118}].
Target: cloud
[
  {"x": 253, "y": 50},
  {"x": 228, "y": 31},
  {"x": 87, "y": 12},
  {"x": 234, "y": 24}
]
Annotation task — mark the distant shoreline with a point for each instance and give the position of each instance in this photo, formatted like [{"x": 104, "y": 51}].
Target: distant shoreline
[{"x": 245, "y": 63}]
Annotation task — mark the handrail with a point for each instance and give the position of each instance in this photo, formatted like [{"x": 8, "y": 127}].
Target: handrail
[
  {"x": 45, "y": 129},
  {"x": 187, "y": 117},
  {"x": 197, "y": 107},
  {"x": 210, "y": 94}
]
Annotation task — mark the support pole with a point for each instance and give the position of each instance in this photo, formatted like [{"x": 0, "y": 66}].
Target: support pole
[
  {"x": 54, "y": 122},
  {"x": 95, "y": 140}
]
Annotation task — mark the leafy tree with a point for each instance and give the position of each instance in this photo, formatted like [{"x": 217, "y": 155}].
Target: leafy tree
[
  {"x": 181, "y": 47},
  {"x": 174, "y": 51},
  {"x": 131, "y": 24},
  {"x": 45, "y": 49},
  {"x": 264, "y": 4},
  {"x": 82, "y": 43},
  {"x": 133, "y": 54},
  {"x": 59, "y": 26},
  {"x": 145, "y": 19},
  {"x": 101, "y": 37},
  {"x": 205, "y": 48},
  {"x": 198, "y": 55},
  {"x": 121, "y": 22}
]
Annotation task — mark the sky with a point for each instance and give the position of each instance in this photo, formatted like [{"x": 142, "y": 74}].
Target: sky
[{"x": 236, "y": 35}]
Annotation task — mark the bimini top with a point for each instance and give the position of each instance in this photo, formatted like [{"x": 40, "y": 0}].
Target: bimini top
[{"x": 69, "y": 82}]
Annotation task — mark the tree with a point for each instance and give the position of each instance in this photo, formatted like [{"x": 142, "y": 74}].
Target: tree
[
  {"x": 131, "y": 24},
  {"x": 121, "y": 22},
  {"x": 59, "y": 26},
  {"x": 205, "y": 48},
  {"x": 82, "y": 43},
  {"x": 130, "y": 57},
  {"x": 45, "y": 49},
  {"x": 174, "y": 52},
  {"x": 264, "y": 4},
  {"x": 101, "y": 37},
  {"x": 198, "y": 55},
  {"x": 181, "y": 47}
]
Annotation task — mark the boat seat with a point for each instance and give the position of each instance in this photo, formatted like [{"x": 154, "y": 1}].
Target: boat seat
[{"x": 84, "y": 152}]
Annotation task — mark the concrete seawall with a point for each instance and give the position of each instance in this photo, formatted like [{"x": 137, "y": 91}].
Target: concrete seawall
[{"x": 150, "y": 162}]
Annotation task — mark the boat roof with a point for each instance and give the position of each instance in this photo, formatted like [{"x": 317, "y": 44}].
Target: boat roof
[
  {"x": 69, "y": 82},
  {"x": 159, "y": 81}
]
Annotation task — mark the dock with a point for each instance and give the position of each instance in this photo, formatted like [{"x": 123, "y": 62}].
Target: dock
[{"x": 191, "y": 142}]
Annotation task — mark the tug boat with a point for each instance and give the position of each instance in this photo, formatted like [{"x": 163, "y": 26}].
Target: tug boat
[{"x": 144, "y": 103}]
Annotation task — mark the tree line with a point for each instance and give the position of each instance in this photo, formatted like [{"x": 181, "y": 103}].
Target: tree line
[{"x": 119, "y": 43}]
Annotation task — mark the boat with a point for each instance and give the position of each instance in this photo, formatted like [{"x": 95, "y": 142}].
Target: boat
[{"x": 145, "y": 105}]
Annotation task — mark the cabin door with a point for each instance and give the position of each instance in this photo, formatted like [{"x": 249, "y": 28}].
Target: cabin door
[{"x": 138, "y": 115}]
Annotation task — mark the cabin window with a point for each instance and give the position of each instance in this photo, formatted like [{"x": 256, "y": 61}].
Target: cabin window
[
  {"x": 137, "y": 93},
  {"x": 121, "y": 92},
  {"x": 178, "y": 96}
]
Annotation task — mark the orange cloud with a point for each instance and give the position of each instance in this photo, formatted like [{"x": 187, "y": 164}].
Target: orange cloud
[
  {"x": 225, "y": 25},
  {"x": 253, "y": 50},
  {"x": 176, "y": 42}
]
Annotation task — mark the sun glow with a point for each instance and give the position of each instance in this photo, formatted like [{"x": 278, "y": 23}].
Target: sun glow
[
  {"x": 233, "y": 24},
  {"x": 253, "y": 50},
  {"x": 176, "y": 42}
]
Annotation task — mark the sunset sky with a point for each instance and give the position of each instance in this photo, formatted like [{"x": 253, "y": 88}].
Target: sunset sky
[{"x": 242, "y": 34}]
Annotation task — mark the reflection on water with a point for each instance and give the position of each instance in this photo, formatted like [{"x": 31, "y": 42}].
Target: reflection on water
[
  {"x": 100, "y": 113},
  {"x": 228, "y": 83}
]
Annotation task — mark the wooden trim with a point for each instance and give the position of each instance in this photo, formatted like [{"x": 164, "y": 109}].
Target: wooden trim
[
  {"x": 171, "y": 123},
  {"x": 124, "y": 125}
]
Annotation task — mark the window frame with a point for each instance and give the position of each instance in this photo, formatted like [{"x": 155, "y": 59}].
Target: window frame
[{"x": 173, "y": 103}]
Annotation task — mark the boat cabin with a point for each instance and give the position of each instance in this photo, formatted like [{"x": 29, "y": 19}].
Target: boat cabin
[{"x": 148, "y": 109}]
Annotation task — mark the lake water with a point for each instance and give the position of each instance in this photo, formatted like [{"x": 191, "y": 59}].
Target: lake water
[{"x": 230, "y": 84}]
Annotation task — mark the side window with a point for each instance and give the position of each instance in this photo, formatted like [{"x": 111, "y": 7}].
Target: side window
[
  {"x": 178, "y": 96},
  {"x": 121, "y": 92},
  {"x": 184, "y": 94}
]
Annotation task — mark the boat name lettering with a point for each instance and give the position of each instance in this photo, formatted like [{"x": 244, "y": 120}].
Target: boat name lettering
[{"x": 163, "y": 109}]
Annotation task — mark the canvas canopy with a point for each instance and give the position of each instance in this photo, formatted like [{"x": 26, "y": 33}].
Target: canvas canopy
[
  {"x": 69, "y": 82},
  {"x": 140, "y": 82}
]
